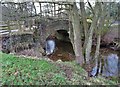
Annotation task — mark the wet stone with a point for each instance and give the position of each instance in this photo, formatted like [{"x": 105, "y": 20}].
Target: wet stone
[{"x": 111, "y": 66}]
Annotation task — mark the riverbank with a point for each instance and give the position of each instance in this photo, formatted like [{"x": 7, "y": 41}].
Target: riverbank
[{"x": 24, "y": 71}]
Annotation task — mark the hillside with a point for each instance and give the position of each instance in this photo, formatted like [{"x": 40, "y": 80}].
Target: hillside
[{"x": 26, "y": 71}]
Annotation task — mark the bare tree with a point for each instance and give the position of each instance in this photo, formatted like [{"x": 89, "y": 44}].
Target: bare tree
[
  {"x": 84, "y": 19},
  {"x": 98, "y": 33},
  {"x": 77, "y": 34},
  {"x": 90, "y": 32}
]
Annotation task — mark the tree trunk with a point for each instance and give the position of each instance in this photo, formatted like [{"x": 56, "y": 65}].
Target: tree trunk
[
  {"x": 84, "y": 19},
  {"x": 100, "y": 28},
  {"x": 99, "y": 38},
  {"x": 38, "y": 47},
  {"x": 97, "y": 48},
  {"x": 40, "y": 9},
  {"x": 90, "y": 33},
  {"x": 85, "y": 26},
  {"x": 77, "y": 35},
  {"x": 34, "y": 8},
  {"x": 71, "y": 34}
]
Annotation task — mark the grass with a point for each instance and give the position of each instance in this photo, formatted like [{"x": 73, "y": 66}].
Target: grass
[
  {"x": 24, "y": 71},
  {"x": 21, "y": 71}
]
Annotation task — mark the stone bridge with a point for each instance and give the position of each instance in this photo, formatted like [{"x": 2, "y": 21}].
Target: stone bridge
[{"x": 58, "y": 28}]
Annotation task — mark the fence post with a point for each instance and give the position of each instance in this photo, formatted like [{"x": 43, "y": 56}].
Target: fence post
[
  {"x": 19, "y": 26},
  {"x": 10, "y": 36}
]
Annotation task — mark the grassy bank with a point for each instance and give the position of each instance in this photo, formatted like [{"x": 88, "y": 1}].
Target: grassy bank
[{"x": 24, "y": 71}]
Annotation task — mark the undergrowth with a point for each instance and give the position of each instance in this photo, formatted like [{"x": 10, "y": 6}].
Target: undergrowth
[{"x": 24, "y": 71}]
